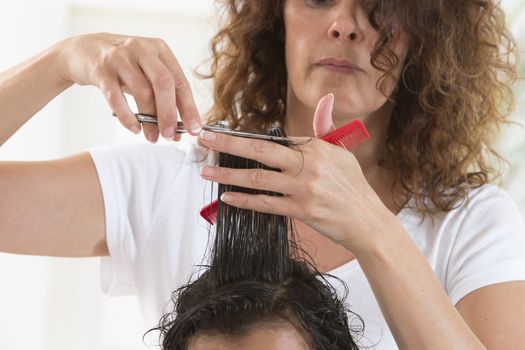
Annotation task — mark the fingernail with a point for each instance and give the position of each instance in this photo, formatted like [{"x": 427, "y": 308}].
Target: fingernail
[
  {"x": 169, "y": 133},
  {"x": 208, "y": 136},
  {"x": 151, "y": 137},
  {"x": 207, "y": 171},
  {"x": 195, "y": 126},
  {"x": 226, "y": 197},
  {"x": 135, "y": 129},
  {"x": 331, "y": 100}
]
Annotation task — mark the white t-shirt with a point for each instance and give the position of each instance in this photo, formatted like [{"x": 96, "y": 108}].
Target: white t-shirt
[{"x": 153, "y": 194}]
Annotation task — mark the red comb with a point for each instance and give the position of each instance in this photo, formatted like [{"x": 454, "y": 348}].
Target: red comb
[
  {"x": 209, "y": 212},
  {"x": 348, "y": 137}
]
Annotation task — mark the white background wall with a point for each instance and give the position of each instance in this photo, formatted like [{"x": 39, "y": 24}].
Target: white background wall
[{"x": 56, "y": 304}]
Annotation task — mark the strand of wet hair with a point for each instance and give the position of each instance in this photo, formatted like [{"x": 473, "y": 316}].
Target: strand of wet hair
[{"x": 249, "y": 244}]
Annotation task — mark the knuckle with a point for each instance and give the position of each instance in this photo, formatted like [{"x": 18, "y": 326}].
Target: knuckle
[
  {"x": 265, "y": 203},
  {"x": 112, "y": 55},
  {"x": 259, "y": 178},
  {"x": 310, "y": 212},
  {"x": 117, "y": 54},
  {"x": 317, "y": 170},
  {"x": 221, "y": 175},
  {"x": 132, "y": 42},
  {"x": 143, "y": 94},
  {"x": 316, "y": 191},
  {"x": 310, "y": 188},
  {"x": 223, "y": 145},
  {"x": 181, "y": 82},
  {"x": 101, "y": 73},
  {"x": 128, "y": 124},
  {"x": 98, "y": 70},
  {"x": 261, "y": 146},
  {"x": 169, "y": 116},
  {"x": 112, "y": 96},
  {"x": 161, "y": 43},
  {"x": 163, "y": 80}
]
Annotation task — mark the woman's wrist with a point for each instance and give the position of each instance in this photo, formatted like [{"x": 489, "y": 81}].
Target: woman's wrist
[
  {"x": 376, "y": 235},
  {"x": 58, "y": 56}
]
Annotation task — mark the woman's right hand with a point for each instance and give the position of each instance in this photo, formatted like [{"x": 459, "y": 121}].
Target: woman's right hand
[{"x": 145, "y": 68}]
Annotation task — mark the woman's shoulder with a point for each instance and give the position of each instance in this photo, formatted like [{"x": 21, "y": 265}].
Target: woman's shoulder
[
  {"x": 488, "y": 198},
  {"x": 484, "y": 207},
  {"x": 476, "y": 198},
  {"x": 480, "y": 241}
]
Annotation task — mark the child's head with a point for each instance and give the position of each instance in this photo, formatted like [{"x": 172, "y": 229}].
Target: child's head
[
  {"x": 257, "y": 293},
  {"x": 302, "y": 308}
]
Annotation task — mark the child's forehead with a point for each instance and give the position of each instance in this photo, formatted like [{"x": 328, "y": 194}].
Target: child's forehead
[{"x": 276, "y": 335}]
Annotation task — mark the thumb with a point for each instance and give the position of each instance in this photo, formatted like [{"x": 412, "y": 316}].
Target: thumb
[{"x": 323, "y": 123}]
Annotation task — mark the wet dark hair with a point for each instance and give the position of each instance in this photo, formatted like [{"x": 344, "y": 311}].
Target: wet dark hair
[{"x": 256, "y": 277}]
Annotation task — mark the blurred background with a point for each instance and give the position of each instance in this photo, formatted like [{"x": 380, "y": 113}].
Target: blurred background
[{"x": 56, "y": 303}]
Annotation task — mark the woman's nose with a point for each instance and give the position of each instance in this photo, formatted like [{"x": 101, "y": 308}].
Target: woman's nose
[{"x": 344, "y": 27}]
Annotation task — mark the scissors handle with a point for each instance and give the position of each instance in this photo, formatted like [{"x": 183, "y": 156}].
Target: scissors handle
[{"x": 149, "y": 118}]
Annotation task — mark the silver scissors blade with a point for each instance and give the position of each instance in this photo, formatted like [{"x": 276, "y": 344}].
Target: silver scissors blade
[{"x": 220, "y": 127}]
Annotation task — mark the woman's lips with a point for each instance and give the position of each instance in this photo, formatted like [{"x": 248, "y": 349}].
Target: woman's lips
[{"x": 339, "y": 66}]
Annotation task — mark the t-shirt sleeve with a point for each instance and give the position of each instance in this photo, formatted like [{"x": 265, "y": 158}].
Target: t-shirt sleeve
[
  {"x": 132, "y": 179},
  {"x": 489, "y": 247}
]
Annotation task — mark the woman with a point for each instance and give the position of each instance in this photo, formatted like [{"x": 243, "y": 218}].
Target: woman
[{"x": 432, "y": 253}]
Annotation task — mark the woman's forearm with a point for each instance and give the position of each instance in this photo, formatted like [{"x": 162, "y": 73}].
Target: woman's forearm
[
  {"x": 27, "y": 88},
  {"x": 415, "y": 306}
]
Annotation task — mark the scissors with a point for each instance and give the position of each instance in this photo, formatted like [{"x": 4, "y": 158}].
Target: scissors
[{"x": 220, "y": 127}]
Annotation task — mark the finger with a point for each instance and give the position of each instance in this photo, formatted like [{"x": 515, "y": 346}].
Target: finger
[
  {"x": 266, "y": 152},
  {"x": 184, "y": 97},
  {"x": 262, "y": 203},
  {"x": 261, "y": 179},
  {"x": 163, "y": 86},
  {"x": 135, "y": 83},
  {"x": 118, "y": 104},
  {"x": 151, "y": 131},
  {"x": 323, "y": 122}
]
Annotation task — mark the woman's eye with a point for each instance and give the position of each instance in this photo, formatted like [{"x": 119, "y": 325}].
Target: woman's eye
[{"x": 319, "y": 3}]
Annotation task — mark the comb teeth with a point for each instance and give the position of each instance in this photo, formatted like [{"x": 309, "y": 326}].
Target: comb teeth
[{"x": 347, "y": 136}]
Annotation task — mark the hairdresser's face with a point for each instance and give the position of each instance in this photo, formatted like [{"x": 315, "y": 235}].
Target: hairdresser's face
[
  {"x": 262, "y": 338},
  {"x": 328, "y": 47}
]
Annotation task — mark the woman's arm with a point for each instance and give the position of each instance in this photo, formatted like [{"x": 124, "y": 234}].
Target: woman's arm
[
  {"x": 496, "y": 314},
  {"x": 27, "y": 88},
  {"x": 55, "y": 207},
  {"x": 415, "y": 306},
  {"x": 52, "y": 208},
  {"x": 146, "y": 68},
  {"x": 420, "y": 314}
]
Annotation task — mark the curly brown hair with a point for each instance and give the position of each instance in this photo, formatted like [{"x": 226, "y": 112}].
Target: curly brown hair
[{"x": 453, "y": 94}]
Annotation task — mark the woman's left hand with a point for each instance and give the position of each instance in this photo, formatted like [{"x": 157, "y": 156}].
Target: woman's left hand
[{"x": 322, "y": 184}]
